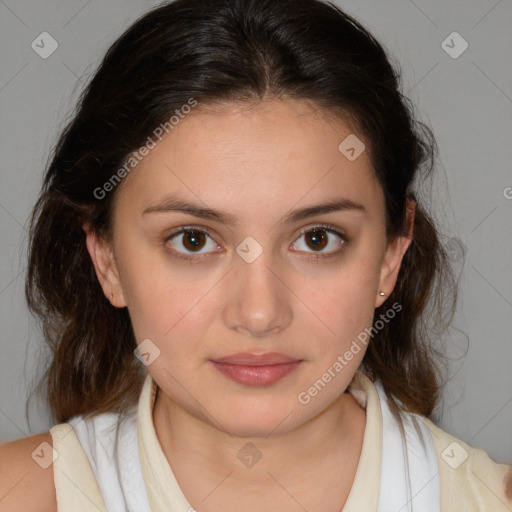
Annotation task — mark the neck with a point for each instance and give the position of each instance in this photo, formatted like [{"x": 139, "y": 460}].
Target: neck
[{"x": 326, "y": 447}]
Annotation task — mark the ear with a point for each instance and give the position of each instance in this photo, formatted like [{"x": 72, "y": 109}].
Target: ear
[
  {"x": 393, "y": 257},
  {"x": 104, "y": 264}
]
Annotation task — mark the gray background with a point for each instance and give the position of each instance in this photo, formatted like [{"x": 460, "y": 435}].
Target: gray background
[{"x": 467, "y": 101}]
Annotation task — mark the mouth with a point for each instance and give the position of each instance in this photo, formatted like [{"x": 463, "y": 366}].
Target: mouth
[{"x": 252, "y": 369}]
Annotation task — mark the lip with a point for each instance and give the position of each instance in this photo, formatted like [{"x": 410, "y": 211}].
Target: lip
[
  {"x": 252, "y": 369},
  {"x": 260, "y": 375},
  {"x": 255, "y": 359}
]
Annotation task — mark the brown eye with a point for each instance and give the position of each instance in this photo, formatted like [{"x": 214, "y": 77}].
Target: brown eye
[
  {"x": 319, "y": 238},
  {"x": 316, "y": 239},
  {"x": 189, "y": 241},
  {"x": 193, "y": 240}
]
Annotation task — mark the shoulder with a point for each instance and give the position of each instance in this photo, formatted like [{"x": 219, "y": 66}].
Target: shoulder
[
  {"x": 468, "y": 475},
  {"x": 26, "y": 474}
]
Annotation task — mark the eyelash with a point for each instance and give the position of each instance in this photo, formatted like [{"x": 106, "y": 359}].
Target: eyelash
[{"x": 320, "y": 227}]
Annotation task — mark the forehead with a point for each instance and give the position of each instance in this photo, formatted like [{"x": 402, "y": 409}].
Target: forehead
[{"x": 272, "y": 152}]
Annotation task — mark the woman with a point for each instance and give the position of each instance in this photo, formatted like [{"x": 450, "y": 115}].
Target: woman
[{"x": 238, "y": 183}]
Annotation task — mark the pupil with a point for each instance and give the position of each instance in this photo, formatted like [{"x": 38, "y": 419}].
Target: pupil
[
  {"x": 318, "y": 238},
  {"x": 193, "y": 238}
]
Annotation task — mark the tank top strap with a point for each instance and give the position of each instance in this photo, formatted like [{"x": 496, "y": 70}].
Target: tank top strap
[
  {"x": 75, "y": 484},
  {"x": 109, "y": 453}
]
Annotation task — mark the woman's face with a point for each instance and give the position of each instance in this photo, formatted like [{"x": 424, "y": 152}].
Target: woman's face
[{"x": 246, "y": 279}]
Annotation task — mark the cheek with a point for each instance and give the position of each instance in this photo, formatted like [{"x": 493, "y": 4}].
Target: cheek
[
  {"x": 163, "y": 308},
  {"x": 155, "y": 297},
  {"x": 347, "y": 316},
  {"x": 169, "y": 307},
  {"x": 345, "y": 296}
]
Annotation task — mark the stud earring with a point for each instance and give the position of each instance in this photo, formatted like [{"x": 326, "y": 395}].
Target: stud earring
[
  {"x": 382, "y": 294},
  {"x": 111, "y": 297}
]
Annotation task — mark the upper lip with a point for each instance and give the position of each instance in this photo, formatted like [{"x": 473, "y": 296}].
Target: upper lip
[{"x": 254, "y": 359}]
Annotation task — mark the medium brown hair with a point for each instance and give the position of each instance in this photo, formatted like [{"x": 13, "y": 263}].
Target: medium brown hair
[{"x": 222, "y": 51}]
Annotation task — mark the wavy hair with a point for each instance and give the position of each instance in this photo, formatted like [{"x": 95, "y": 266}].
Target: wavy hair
[{"x": 222, "y": 51}]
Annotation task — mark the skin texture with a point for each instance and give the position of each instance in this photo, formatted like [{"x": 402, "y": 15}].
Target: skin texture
[
  {"x": 256, "y": 163},
  {"x": 25, "y": 484}
]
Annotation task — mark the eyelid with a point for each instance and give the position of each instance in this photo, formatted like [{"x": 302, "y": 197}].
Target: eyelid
[
  {"x": 321, "y": 226},
  {"x": 189, "y": 227}
]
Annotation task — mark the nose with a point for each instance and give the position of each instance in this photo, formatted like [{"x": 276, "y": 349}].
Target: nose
[{"x": 258, "y": 298}]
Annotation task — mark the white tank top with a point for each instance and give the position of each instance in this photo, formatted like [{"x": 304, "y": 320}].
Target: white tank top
[
  {"x": 113, "y": 454},
  {"x": 406, "y": 479}
]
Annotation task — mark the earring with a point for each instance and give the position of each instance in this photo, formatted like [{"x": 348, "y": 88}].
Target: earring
[
  {"x": 111, "y": 297},
  {"x": 382, "y": 294}
]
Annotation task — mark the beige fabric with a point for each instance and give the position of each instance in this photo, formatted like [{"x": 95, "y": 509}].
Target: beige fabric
[
  {"x": 364, "y": 494},
  {"x": 75, "y": 484},
  {"x": 472, "y": 484},
  {"x": 164, "y": 493},
  {"x": 477, "y": 484}
]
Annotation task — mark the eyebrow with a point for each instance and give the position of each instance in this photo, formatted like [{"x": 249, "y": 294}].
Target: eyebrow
[{"x": 174, "y": 204}]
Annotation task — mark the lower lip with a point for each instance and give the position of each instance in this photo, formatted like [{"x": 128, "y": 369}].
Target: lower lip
[{"x": 256, "y": 375}]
